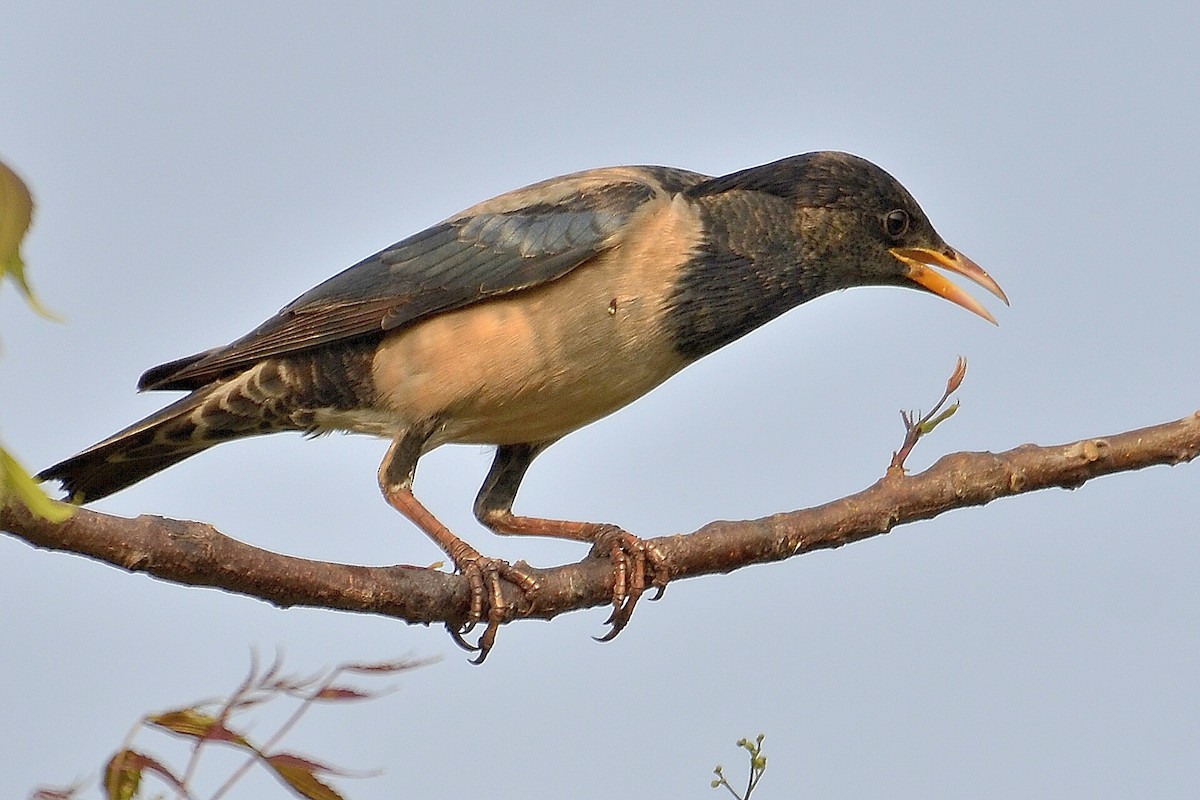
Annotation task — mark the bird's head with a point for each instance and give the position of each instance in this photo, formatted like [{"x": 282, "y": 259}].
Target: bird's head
[
  {"x": 859, "y": 227},
  {"x": 872, "y": 232}
]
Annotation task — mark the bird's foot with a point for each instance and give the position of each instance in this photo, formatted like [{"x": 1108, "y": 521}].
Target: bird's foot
[
  {"x": 632, "y": 559},
  {"x": 484, "y": 575}
]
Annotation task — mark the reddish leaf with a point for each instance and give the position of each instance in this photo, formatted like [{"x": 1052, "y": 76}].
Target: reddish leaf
[
  {"x": 956, "y": 379},
  {"x": 293, "y": 760},
  {"x": 343, "y": 693},
  {"x": 65, "y": 793},
  {"x": 300, "y": 774},
  {"x": 197, "y": 724},
  {"x": 387, "y": 667}
]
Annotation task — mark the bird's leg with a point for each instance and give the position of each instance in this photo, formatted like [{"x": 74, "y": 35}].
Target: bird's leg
[
  {"x": 395, "y": 480},
  {"x": 632, "y": 557}
]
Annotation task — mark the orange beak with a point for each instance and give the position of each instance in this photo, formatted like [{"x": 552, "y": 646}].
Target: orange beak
[{"x": 920, "y": 260}]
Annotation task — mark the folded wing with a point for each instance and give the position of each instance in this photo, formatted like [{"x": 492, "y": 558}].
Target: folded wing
[{"x": 513, "y": 242}]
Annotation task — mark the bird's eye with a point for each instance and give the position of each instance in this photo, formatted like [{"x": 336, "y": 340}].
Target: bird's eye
[{"x": 896, "y": 223}]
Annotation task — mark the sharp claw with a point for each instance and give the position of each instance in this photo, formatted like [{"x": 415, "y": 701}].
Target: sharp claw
[
  {"x": 619, "y": 619},
  {"x": 489, "y": 636},
  {"x": 611, "y": 617},
  {"x": 457, "y": 636},
  {"x": 631, "y": 557},
  {"x": 484, "y": 576},
  {"x": 485, "y": 643},
  {"x": 628, "y": 590}
]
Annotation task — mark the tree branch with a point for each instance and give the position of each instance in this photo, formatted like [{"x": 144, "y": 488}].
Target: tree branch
[{"x": 197, "y": 554}]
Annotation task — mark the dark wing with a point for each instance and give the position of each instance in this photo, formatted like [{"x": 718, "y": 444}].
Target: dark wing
[{"x": 513, "y": 242}]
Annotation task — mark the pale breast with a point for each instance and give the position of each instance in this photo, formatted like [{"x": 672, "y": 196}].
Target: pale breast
[{"x": 540, "y": 363}]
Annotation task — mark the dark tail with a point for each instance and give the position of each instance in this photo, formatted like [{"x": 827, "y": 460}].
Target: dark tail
[
  {"x": 259, "y": 400},
  {"x": 144, "y": 448},
  {"x": 273, "y": 395}
]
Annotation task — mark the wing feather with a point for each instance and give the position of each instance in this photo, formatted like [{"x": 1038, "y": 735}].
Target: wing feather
[{"x": 513, "y": 242}]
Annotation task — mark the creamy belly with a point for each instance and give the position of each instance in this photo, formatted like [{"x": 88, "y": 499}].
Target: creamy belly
[{"x": 542, "y": 362}]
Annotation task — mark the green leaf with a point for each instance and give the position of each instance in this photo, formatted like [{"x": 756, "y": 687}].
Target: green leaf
[
  {"x": 125, "y": 770},
  {"x": 929, "y": 425},
  {"x": 14, "y": 479},
  {"x": 123, "y": 775},
  {"x": 16, "y": 212}
]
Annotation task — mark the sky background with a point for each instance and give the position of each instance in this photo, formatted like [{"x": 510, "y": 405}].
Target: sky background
[{"x": 196, "y": 168}]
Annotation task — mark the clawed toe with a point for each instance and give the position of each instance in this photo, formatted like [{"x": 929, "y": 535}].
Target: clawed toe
[
  {"x": 637, "y": 565},
  {"x": 484, "y": 575},
  {"x": 631, "y": 557}
]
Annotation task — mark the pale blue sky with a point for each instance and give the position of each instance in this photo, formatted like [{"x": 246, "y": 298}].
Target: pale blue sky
[{"x": 197, "y": 168}]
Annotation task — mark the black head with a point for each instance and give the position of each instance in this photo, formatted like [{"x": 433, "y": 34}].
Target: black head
[{"x": 858, "y": 227}]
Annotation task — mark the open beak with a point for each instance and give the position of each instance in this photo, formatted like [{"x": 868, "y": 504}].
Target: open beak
[{"x": 920, "y": 260}]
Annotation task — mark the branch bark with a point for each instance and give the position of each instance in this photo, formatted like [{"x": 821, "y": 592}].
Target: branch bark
[{"x": 197, "y": 554}]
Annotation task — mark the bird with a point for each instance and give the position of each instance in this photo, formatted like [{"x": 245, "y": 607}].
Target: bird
[{"x": 528, "y": 316}]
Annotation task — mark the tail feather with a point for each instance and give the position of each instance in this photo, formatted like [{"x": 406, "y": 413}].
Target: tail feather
[
  {"x": 273, "y": 395},
  {"x": 144, "y": 448},
  {"x": 160, "y": 377},
  {"x": 259, "y": 400}
]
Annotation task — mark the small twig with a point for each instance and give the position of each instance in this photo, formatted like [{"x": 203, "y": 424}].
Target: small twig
[
  {"x": 198, "y": 724},
  {"x": 915, "y": 428},
  {"x": 758, "y": 765}
]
